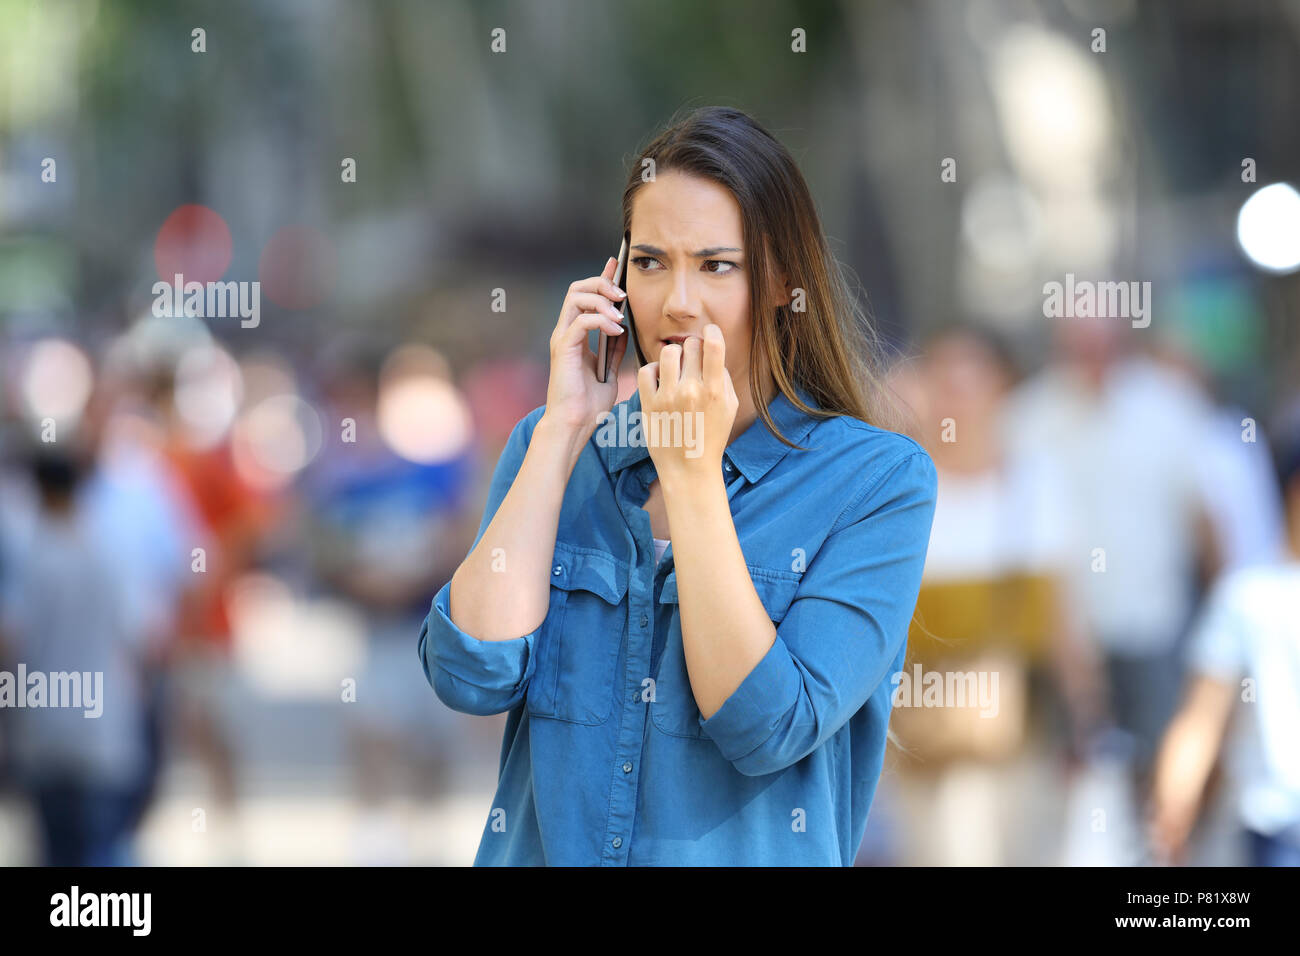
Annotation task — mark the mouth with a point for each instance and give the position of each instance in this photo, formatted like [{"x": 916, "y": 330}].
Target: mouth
[{"x": 675, "y": 339}]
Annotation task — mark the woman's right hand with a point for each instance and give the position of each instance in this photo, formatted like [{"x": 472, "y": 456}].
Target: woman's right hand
[{"x": 573, "y": 396}]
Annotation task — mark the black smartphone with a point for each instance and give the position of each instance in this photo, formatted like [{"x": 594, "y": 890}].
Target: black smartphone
[{"x": 605, "y": 348}]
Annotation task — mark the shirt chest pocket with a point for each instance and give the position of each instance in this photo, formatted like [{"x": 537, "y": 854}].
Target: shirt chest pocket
[
  {"x": 674, "y": 711},
  {"x": 578, "y": 645}
]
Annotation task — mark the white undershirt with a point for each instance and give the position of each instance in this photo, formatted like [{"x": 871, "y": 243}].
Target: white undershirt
[{"x": 661, "y": 545}]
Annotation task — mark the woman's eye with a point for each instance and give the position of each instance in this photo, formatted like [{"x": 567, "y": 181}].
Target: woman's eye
[{"x": 730, "y": 266}]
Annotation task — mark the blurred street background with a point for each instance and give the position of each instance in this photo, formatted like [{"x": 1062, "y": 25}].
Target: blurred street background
[{"x": 241, "y": 520}]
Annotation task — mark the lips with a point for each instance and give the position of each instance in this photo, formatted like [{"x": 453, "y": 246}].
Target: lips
[{"x": 675, "y": 339}]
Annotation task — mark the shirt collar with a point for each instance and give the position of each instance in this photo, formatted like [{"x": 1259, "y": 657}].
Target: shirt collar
[{"x": 754, "y": 452}]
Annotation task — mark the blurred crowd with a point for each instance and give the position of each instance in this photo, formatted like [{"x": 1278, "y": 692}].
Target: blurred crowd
[
  {"x": 1113, "y": 543},
  {"x": 239, "y": 522},
  {"x": 207, "y": 532},
  {"x": 1120, "y": 546}
]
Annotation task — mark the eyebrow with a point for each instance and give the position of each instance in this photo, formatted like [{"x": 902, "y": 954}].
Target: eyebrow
[{"x": 701, "y": 254}]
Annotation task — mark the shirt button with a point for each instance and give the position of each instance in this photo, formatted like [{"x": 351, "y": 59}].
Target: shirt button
[
  {"x": 644, "y": 620},
  {"x": 726, "y": 466},
  {"x": 618, "y": 842},
  {"x": 559, "y": 568},
  {"x": 627, "y": 768}
]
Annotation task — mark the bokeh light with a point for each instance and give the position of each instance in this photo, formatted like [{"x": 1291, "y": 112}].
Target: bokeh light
[
  {"x": 276, "y": 439},
  {"x": 208, "y": 391},
  {"x": 57, "y": 381},
  {"x": 422, "y": 416},
  {"x": 1268, "y": 228},
  {"x": 194, "y": 241}
]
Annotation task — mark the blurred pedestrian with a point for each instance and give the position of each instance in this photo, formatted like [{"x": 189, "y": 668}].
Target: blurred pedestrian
[
  {"x": 976, "y": 787},
  {"x": 1127, "y": 434},
  {"x": 1244, "y": 662},
  {"x": 383, "y": 531},
  {"x": 231, "y": 519},
  {"x": 68, "y": 611}
]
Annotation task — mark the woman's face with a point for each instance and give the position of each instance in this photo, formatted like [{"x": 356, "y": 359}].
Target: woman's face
[
  {"x": 686, "y": 268},
  {"x": 965, "y": 379}
]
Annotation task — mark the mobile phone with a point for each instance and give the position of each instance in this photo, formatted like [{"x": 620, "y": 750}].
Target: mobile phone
[{"x": 604, "y": 348}]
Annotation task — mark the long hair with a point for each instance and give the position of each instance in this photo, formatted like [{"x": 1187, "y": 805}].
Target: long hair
[{"x": 822, "y": 341}]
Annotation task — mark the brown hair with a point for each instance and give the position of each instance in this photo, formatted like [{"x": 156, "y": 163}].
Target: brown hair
[
  {"x": 830, "y": 347},
  {"x": 993, "y": 342}
]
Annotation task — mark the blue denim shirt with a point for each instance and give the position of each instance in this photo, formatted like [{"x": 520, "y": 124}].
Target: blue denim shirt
[{"x": 606, "y": 759}]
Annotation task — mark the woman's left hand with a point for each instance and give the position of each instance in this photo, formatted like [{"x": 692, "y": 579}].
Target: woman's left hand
[{"x": 693, "y": 382}]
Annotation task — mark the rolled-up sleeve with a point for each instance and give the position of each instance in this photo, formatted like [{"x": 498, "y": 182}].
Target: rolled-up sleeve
[
  {"x": 845, "y": 627},
  {"x": 470, "y": 675}
]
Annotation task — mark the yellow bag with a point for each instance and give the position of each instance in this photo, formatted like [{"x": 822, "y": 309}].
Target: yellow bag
[{"x": 995, "y": 629}]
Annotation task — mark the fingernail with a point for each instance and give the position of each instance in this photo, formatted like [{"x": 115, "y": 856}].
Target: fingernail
[
  {"x": 712, "y": 332},
  {"x": 620, "y": 293}
]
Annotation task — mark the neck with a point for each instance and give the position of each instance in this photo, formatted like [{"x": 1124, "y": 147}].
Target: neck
[
  {"x": 747, "y": 409},
  {"x": 1092, "y": 377},
  {"x": 977, "y": 451}
]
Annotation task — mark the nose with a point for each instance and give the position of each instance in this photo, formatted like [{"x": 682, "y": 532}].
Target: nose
[{"x": 681, "y": 304}]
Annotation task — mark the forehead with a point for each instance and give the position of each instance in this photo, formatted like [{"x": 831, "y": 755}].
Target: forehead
[
  {"x": 960, "y": 347},
  {"x": 677, "y": 208}
]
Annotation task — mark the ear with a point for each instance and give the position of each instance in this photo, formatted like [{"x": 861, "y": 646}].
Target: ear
[{"x": 781, "y": 291}]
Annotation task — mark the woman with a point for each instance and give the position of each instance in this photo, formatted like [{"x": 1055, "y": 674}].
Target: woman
[
  {"x": 727, "y": 703},
  {"x": 980, "y": 786}
]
